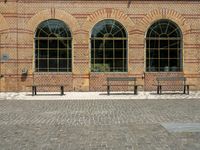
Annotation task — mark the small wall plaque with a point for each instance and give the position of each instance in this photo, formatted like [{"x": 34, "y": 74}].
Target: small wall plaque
[{"x": 5, "y": 57}]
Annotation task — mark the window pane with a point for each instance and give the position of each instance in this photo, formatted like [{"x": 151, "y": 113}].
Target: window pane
[
  {"x": 154, "y": 53},
  {"x": 164, "y": 53},
  {"x": 174, "y": 44},
  {"x": 163, "y": 43},
  {"x": 63, "y": 54},
  {"x": 173, "y": 54},
  {"x": 108, "y": 43},
  {"x": 36, "y": 54},
  {"x": 154, "y": 44},
  {"x": 99, "y": 53},
  {"x": 53, "y": 63},
  {"x": 69, "y": 53},
  {"x": 63, "y": 63},
  {"x": 108, "y": 65},
  {"x": 36, "y": 44},
  {"x": 53, "y": 54},
  {"x": 69, "y": 64},
  {"x": 119, "y": 43},
  {"x": 63, "y": 44},
  {"x": 119, "y": 53},
  {"x": 43, "y": 53},
  {"x": 43, "y": 44},
  {"x": 164, "y": 64},
  {"x": 53, "y": 43},
  {"x": 42, "y": 69},
  {"x": 42, "y": 63},
  {"x": 98, "y": 44},
  {"x": 36, "y": 63},
  {"x": 119, "y": 65},
  {"x": 109, "y": 53},
  {"x": 153, "y": 64}
]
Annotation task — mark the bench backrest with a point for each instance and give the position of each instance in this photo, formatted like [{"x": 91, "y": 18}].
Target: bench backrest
[
  {"x": 180, "y": 80},
  {"x": 120, "y": 79}
]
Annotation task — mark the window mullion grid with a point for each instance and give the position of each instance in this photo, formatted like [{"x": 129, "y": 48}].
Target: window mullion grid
[
  {"x": 159, "y": 59},
  {"x": 123, "y": 56},
  {"x": 104, "y": 55},
  {"x": 48, "y": 59},
  {"x": 94, "y": 54},
  {"x": 57, "y": 58},
  {"x": 114, "y": 58},
  {"x": 68, "y": 59},
  {"x": 38, "y": 48},
  {"x": 149, "y": 67},
  {"x": 169, "y": 58}
]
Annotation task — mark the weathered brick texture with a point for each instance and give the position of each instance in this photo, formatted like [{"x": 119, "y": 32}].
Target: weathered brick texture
[{"x": 19, "y": 21}]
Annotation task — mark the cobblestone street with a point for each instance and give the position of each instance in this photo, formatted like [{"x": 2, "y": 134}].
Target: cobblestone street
[{"x": 97, "y": 125}]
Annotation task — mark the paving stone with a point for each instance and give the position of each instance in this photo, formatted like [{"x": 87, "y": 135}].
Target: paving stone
[{"x": 97, "y": 124}]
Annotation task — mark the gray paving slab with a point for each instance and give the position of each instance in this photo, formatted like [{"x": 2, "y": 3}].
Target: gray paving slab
[{"x": 182, "y": 127}]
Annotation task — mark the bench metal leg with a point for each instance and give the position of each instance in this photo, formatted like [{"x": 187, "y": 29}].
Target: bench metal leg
[
  {"x": 160, "y": 87},
  {"x": 108, "y": 89},
  {"x": 135, "y": 89},
  {"x": 33, "y": 90},
  {"x": 184, "y": 89},
  {"x": 188, "y": 89},
  {"x": 62, "y": 90}
]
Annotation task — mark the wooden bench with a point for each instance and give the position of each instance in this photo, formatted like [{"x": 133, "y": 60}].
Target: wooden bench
[
  {"x": 172, "y": 82},
  {"x": 34, "y": 88},
  {"x": 114, "y": 81}
]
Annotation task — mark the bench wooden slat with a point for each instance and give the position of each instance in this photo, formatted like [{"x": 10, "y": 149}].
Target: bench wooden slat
[
  {"x": 172, "y": 82},
  {"x": 34, "y": 87},
  {"x": 111, "y": 81}
]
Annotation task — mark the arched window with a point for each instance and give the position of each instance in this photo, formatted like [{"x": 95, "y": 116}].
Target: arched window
[
  {"x": 53, "y": 48},
  {"x": 108, "y": 47},
  {"x": 164, "y": 47}
]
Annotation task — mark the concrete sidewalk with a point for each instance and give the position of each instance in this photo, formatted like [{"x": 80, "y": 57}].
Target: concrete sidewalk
[{"x": 97, "y": 96}]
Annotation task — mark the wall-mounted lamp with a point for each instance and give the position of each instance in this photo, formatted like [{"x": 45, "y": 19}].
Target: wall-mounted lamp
[{"x": 24, "y": 71}]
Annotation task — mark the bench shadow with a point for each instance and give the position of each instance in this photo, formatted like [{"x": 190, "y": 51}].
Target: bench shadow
[
  {"x": 49, "y": 94},
  {"x": 168, "y": 94},
  {"x": 113, "y": 93}
]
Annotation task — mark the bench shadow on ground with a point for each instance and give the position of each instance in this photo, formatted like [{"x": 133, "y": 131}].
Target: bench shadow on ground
[
  {"x": 113, "y": 93},
  {"x": 167, "y": 93},
  {"x": 45, "y": 94}
]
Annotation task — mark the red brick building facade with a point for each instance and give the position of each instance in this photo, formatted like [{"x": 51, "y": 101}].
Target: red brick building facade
[{"x": 20, "y": 20}]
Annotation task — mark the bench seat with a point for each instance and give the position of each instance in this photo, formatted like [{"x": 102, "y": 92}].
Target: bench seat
[
  {"x": 124, "y": 81},
  {"x": 34, "y": 88},
  {"x": 172, "y": 82}
]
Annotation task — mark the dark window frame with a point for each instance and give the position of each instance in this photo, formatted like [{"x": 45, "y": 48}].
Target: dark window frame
[
  {"x": 106, "y": 49},
  {"x": 161, "y": 43},
  {"x": 51, "y": 38}
]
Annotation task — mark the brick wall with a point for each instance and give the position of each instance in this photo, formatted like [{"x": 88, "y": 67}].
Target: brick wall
[{"x": 19, "y": 20}]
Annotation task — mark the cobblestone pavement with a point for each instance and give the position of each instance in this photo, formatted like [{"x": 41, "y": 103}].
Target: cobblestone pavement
[{"x": 97, "y": 124}]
